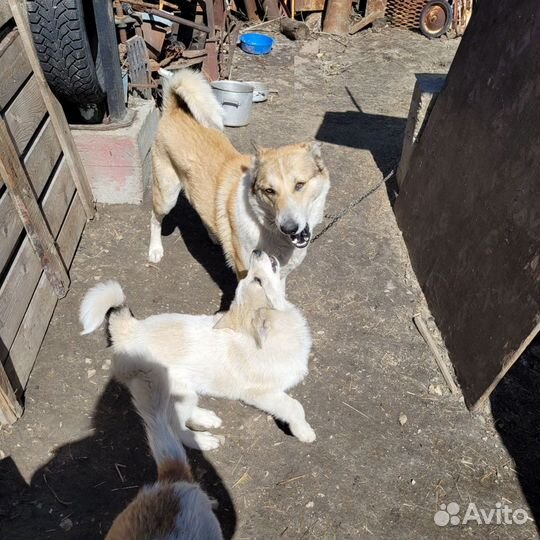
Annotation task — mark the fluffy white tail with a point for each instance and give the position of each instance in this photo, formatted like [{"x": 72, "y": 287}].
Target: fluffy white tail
[
  {"x": 193, "y": 89},
  {"x": 147, "y": 381},
  {"x": 97, "y": 302}
]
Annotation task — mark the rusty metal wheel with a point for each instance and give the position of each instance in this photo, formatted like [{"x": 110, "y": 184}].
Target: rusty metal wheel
[{"x": 436, "y": 18}]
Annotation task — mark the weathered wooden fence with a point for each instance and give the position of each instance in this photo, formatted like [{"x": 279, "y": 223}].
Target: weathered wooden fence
[{"x": 45, "y": 201}]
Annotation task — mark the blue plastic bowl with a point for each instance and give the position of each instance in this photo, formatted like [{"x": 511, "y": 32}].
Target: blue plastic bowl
[{"x": 256, "y": 43}]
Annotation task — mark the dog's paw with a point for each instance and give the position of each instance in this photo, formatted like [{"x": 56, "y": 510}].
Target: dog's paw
[
  {"x": 206, "y": 441},
  {"x": 155, "y": 253},
  {"x": 205, "y": 419},
  {"x": 200, "y": 440},
  {"x": 304, "y": 433}
]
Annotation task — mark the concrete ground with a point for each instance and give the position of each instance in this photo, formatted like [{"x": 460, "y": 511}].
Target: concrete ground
[{"x": 392, "y": 444}]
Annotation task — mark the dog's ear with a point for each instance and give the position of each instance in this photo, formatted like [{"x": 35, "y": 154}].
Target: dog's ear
[
  {"x": 261, "y": 326},
  {"x": 254, "y": 170},
  {"x": 315, "y": 149}
]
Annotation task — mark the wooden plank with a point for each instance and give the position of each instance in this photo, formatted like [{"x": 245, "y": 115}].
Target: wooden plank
[
  {"x": 25, "y": 348},
  {"x": 21, "y": 280},
  {"x": 38, "y": 315},
  {"x": 365, "y": 21},
  {"x": 30, "y": 213},
  {"x": 24, "y": 114},
  {"x": 5, "y": 13},
  {"x": 10, "y": 409},
  {"x": 10, "y": 228},
  {"x": 58, "y": 197},
  {"x": 469, "y": 204},
  {"x": 14, "y": 66},
  {"x": 39, "y": 162},
  {"x": 42, "y": 156},
  {"x": 55, "y": 111}
]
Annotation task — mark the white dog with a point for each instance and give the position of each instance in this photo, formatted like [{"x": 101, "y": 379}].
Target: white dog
[{"x": 254, "y": 352}]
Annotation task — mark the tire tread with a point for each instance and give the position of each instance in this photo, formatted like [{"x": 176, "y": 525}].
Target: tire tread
[{"x": 62, "y": 46}]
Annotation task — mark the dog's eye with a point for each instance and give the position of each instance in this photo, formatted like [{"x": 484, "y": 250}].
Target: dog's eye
[
  {"x": 299, "y": 186},
  {"x": 269, "y": 191},
  {"x": 257, "y": 280}
]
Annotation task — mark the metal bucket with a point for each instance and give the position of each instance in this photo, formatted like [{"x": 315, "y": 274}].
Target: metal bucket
[
  {"x": 236, "y": 99},
  {"x": 260, "y": 91}
]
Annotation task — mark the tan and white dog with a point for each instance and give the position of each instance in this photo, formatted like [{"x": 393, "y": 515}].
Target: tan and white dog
[
  {"x": 174, "y": 507},
  {"x": 271, "y": 201},
  {"x": 254, "y": 352}
]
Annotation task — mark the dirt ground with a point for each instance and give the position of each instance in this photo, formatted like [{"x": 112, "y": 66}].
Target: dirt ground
[{"x": 392, "y": 444}]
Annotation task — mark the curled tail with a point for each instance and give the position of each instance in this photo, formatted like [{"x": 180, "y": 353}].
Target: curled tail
[
  {"x": 191, "y": 88},
  {"x": 97, "y": 303},
  {"x": 147, "y": 381}
]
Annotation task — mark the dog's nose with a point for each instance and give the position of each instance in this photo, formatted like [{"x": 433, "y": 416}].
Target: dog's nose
[
  {"x": 288, "y": 227},
  {"x": 257, "y": 253}
]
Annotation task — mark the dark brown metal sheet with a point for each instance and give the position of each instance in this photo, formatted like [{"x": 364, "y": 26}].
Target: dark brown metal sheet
[{"x": 469, "y": 207}]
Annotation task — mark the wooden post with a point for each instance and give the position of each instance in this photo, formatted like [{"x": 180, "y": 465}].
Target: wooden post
[
  {"x": 110, "y": 60},
  {"x": 271, "y": 9},
  {"x": 251, "y": 8},
  {"x": 56, "y": 113},
  {"x": 24, "y": 200},
  {"x": 338, "y": 15},
  {"x": 219, "y": 13},
  {"x": 210, "y": 63}
]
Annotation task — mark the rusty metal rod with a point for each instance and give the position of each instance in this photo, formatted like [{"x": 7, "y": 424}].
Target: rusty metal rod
[{"x": 179, "y": 20}]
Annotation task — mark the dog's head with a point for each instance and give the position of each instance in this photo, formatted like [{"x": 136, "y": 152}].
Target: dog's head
[
  {"x": 286, "y": 183},
  {"x": 258, "y": 297}
]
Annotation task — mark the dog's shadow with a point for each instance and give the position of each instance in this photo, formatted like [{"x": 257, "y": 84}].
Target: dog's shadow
[
  {"x": 198, "y": 243},
  {"x": 78, "y": 493}
]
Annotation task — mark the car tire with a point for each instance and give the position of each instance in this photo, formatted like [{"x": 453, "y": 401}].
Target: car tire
[{"x": 67, "y": 49}]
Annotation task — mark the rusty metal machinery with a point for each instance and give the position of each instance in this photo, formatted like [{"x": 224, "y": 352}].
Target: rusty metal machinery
[
  {"x": 436, "y": 18},
  {"x": 405, "y": 13},
  {"x": 433, "y": 17}
]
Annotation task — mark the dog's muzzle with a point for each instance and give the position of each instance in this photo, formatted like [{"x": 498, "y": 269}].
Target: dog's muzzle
[{"x": 301, "y": 239}]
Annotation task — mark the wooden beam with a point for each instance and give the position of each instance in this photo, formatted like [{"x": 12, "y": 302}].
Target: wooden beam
[
  {"x": 55, "y": 112},
  {"x": 39, "y": 163},
  {"x": 22, "y": 195},
  {"x": 25, "y": 114}
]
